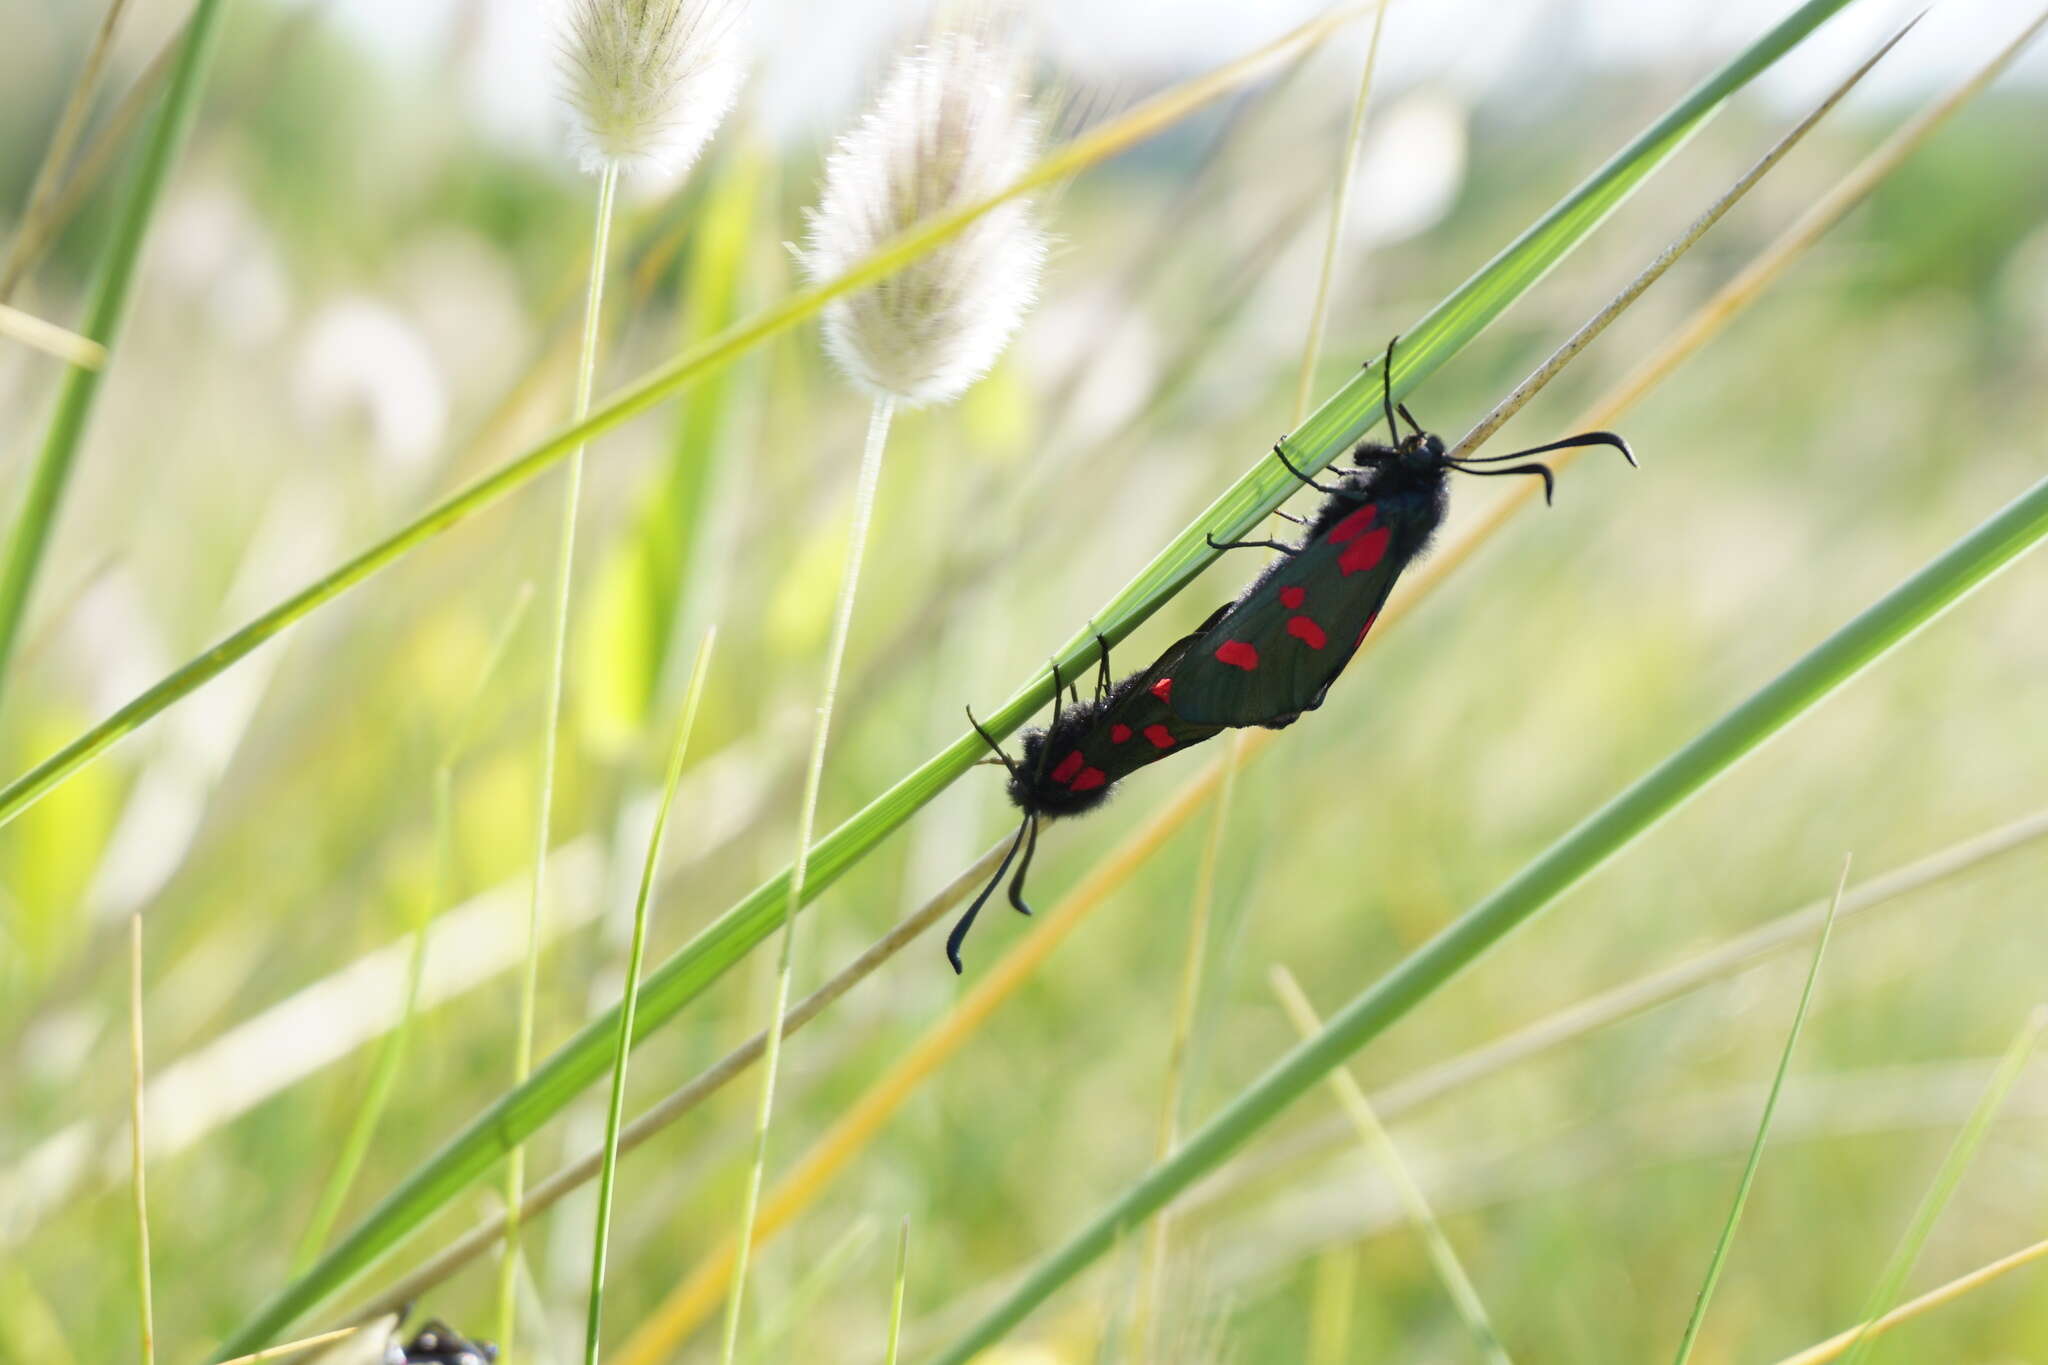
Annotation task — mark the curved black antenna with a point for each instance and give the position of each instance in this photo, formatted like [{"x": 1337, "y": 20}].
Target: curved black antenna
[
  {"x": 988, "y": 739},
  {"x": 1387, "y": 390},
  {"x": 1586, "y": 438},
  {"x": 1549, "y": 478},
  {"x": 966, "y": 921}
]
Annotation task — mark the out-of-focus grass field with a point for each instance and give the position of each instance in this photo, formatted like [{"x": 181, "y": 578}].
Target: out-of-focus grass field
[{"x": 352, "y": 300}]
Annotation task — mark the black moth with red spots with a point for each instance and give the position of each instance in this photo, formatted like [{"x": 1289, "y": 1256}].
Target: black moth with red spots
[
  {"x": 1264, "y": 658},
  {"x": 1070, "y": 766},
  {"x": 1274, "y": 652}
]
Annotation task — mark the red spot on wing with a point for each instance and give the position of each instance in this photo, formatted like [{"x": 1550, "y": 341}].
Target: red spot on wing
[
  {"x": 1306, "y": 631},
  {"x": 1363, "y": 629},
  {"x": 1163, "y": 689},
  {"x": 1159, "y": 736},
  {"x": 1238, "y": 654},
  {"x": 1119, "y": 733},
  {"x": 1353, "y": 526},
  {"x": 1090, "y": 779},
  {"x": 1366, "y": 552},
  {"x": 1068, "y": 766},
  {"x": 1291, "y": 598}
]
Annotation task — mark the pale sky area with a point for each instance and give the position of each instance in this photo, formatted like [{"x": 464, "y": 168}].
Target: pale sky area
[{"x": 815, "y": 58}]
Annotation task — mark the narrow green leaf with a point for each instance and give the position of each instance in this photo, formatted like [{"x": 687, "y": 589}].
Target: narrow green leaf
[
  {"x": 104, "y": 312},
  {"x": 689, "y": 971},
  {"x": 1763, "y": 1129},
  {"x": 615, "y": 1112},
  {"x": 1964, "y": 1150},
  {"x": 1831, "y": 664}
]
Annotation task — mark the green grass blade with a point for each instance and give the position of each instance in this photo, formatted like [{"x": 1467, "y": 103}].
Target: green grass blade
[
  {"x": 1946, "y": 1179},
  {"x": 391, "y": 1056},
  {"x": 1719, "y": 1259},
  {"x": 615, "y": 1113},
  {"x": 104, "y": 311},
  {"x": 689, "y": 971},
  {"x": 1903, "y": 611}
]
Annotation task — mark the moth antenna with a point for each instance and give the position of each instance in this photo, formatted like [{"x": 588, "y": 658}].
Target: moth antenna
[
  {"x": 1587, "y": 438},
  {"x": 1549, "y": 478},
  {"x": 988, "y": 739},
  {"x": 1387, "y": 388},
  {"x": 1017, "y": 901},
  {"x": 966, "y": 921}
]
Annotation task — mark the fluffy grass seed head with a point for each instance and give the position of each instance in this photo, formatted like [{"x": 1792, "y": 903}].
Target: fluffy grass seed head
[
  {"x": 953, "y": 124},
  {"x": 647, "y": 81}
]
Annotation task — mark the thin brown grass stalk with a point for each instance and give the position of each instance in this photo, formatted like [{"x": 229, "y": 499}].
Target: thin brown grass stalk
[{"x": 63, "y": 141}]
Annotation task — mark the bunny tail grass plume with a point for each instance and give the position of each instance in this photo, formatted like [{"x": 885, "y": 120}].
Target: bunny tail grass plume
[
  {"x": 649, "y": 80},
  {"x": 952, "y": 125}
]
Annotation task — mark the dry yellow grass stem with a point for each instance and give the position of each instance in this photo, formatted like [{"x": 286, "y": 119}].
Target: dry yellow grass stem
[{"x": 1835, "y": 1345}]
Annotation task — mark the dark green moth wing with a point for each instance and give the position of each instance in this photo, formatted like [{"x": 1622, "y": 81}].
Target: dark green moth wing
[
  {"x": 1276, "y": 652},
  {"x": 1135, "y": 726}
]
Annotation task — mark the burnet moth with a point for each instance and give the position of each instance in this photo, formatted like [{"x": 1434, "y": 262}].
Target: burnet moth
[
  {"x": 1266, "y": 657},
  {"x": 1069, "y": 767},
  {"x": 1274, "y": 653}
]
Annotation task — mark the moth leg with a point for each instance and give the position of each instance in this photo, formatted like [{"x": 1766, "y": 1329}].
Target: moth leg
[
  {"x": 1281, "y": 456},
  {"x": 1298, "y": 521},
  {"x": 966, "y": 921},
  {"x": 1102, "y": 679},
  {"x": 1017, "y": 901},
  {"x": 1216, "y": 544}
]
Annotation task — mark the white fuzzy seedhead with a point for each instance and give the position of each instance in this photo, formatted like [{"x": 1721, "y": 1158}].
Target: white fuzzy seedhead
[
  {"x": 952, "y": 125},
  {"x": 649, "y": 80}
]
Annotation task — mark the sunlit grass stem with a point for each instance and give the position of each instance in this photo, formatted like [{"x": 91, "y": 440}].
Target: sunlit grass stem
[
  {"x": 565, "y": 565},
  {"x": 138, "y": 1145},
  {"x": 814, "y": 772},
  {"x": 1719, "y": 1259},
  {"x": 897, "y": 1285},
  {"x": 615, "y": 1111}
]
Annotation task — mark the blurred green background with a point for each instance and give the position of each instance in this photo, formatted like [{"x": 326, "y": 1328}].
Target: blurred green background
[{"x": 358, "y": 293}]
